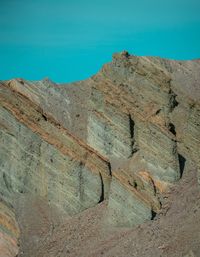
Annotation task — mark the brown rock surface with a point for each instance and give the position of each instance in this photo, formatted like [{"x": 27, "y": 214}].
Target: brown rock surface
[
  {"x": 127, "y": 135},
  {"x": 9, "y": 232},
  {"x": 174, "y": 232}
]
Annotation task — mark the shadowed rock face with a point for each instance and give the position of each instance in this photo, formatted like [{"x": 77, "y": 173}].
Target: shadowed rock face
[{"x": 123, "y": 135}]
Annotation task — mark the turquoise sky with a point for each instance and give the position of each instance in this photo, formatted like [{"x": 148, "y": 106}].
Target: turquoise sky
[{"x": 69, "y": 40}]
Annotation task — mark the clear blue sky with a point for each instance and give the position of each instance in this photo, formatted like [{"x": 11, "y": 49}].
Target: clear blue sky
[{"x": 69, "y": 40}]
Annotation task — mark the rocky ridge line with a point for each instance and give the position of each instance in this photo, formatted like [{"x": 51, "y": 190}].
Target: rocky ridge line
[{"x": 124, "y": 135}]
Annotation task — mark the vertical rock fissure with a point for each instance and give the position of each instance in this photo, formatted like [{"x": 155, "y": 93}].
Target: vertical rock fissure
[
  {"x": 153, "y": 214},
  {"x": 182, "y": 162},
  {"x": 110, "y": 169},
  {"x": 132, "y": 134},
  {"x": 172, "y": 101},
  {"x": 172, "y": 128},
  {"x": 131, "y": 124},
  {"x": 102, "y": 189},
  {"x": 81, "y": 188}
]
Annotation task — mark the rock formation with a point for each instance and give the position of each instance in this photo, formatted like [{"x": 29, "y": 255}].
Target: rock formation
[
  {"x": 124, "y": 135},
  {"x": 9, "y": 232}
]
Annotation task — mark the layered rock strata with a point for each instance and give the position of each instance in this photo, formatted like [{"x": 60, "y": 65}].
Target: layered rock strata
[
  {"x": 141, "y": 93},
  {"x": 124, "y": 135},
  {"x": 39, "y": 156},
  {"x": 9, "y": 232}
]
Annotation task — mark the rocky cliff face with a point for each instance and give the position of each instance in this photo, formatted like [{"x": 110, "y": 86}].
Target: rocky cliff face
[
  {"x": 124, "y": 135},
  {"x": 148, "y": 97},
  {"x": 9, "y": 232},
  {"x": 41, "y": 157}
]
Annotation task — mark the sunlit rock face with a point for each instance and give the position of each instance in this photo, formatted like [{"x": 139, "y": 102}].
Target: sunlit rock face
[
  {"x": 39, "y": 156},
  {"x": 123, "y": 135},
  {"x": 109, "y": 132},
  {"x": 9, "y": 232}
]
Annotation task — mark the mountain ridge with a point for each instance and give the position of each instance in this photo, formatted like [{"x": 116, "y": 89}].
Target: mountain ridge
[{"x": 126, "y": 136}]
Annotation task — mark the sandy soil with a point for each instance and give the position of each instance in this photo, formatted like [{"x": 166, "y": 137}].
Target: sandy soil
[{"x": 175, "y": 232}]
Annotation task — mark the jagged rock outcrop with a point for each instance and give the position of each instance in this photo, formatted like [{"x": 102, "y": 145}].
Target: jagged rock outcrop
[
  {"x": 41, "y": 157},
  {"x": 141, "y": 92},
  {"x": 123, "y": 135}
]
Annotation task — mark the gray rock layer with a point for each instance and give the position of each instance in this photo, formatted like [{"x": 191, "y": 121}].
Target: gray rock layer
[{"x": 123, "y": 135}]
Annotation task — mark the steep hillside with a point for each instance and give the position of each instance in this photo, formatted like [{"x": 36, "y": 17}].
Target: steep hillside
[{"x": 106, "y": 151}]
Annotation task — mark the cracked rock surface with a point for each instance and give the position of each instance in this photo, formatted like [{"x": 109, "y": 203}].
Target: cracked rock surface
[{"x": 109, "y": 166}]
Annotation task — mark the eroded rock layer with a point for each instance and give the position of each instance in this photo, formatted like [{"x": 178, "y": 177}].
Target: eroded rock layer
[
  {"x": 9, "y": 232},
  {"x": 39, "y": 156},
  {"x": 124, "y": 135}
]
